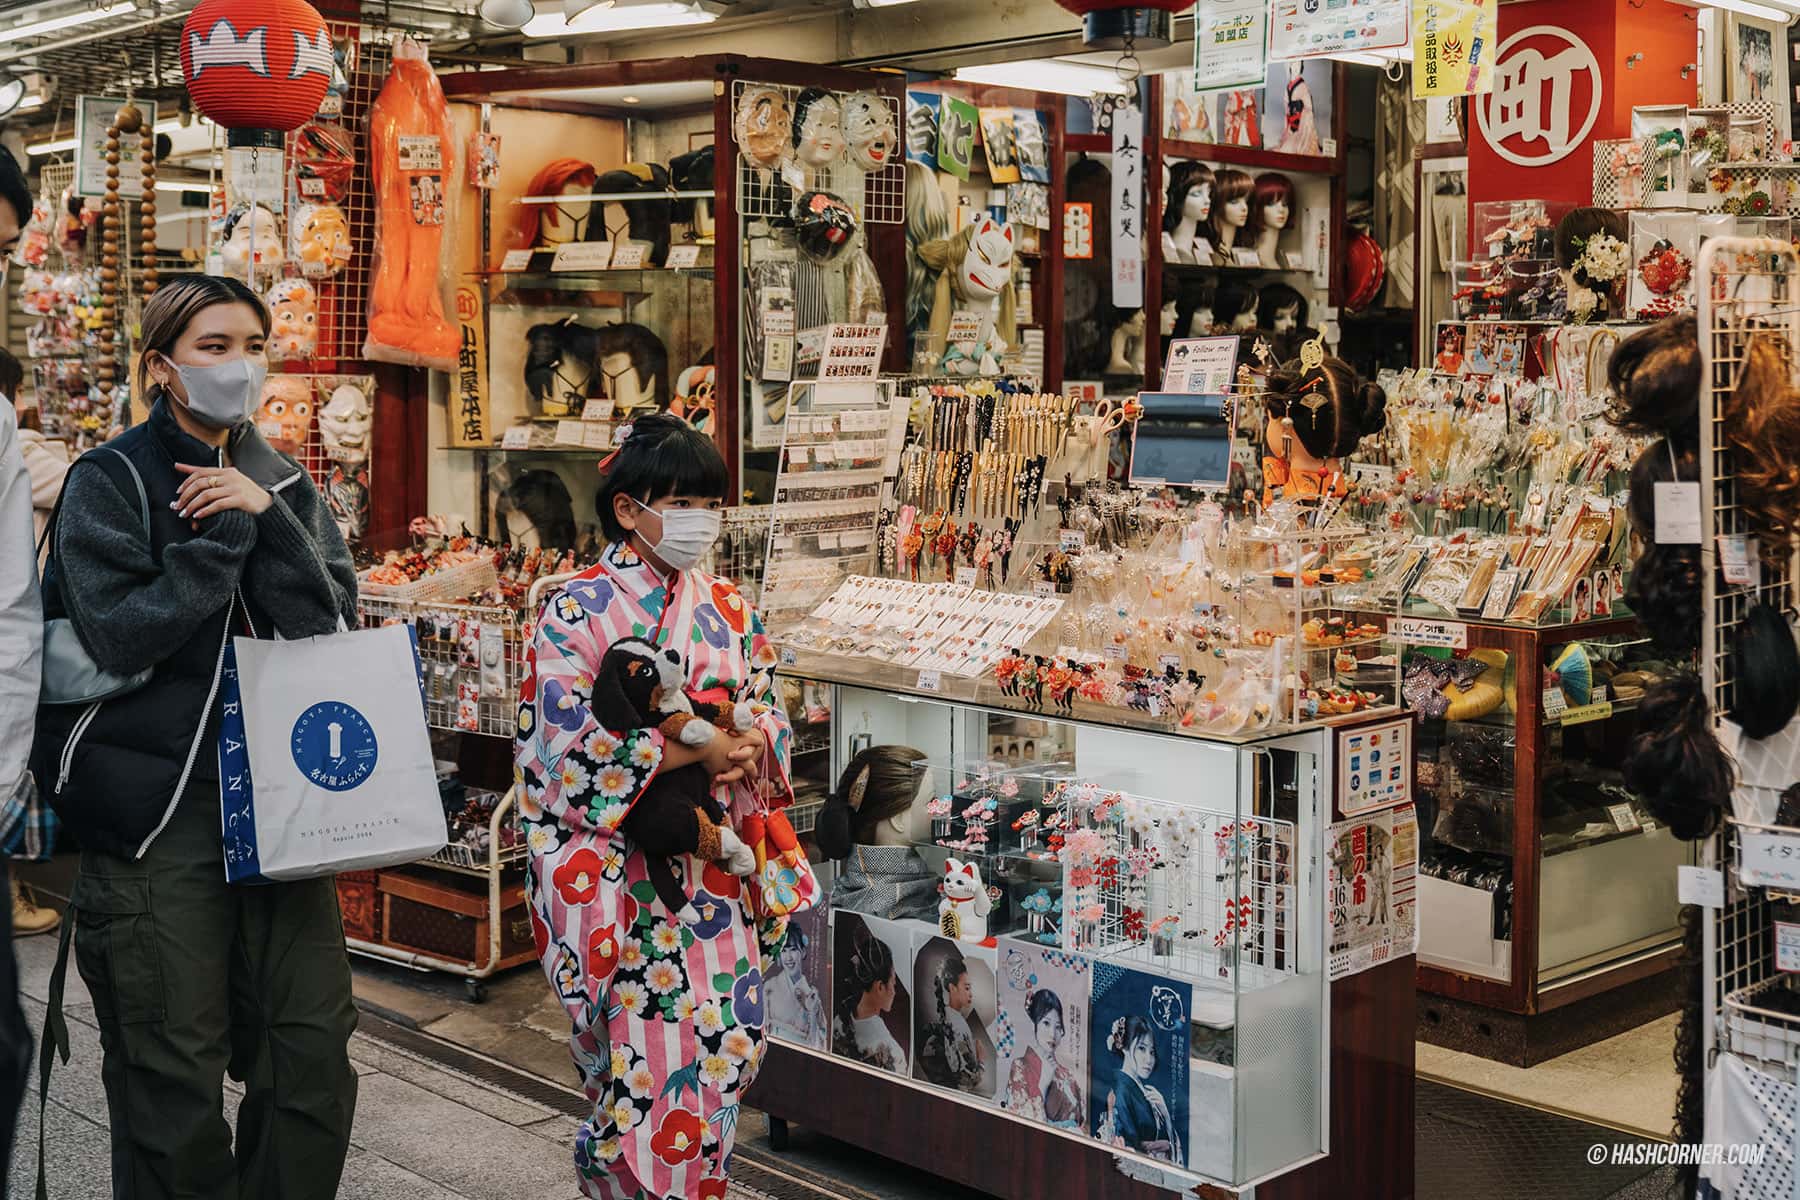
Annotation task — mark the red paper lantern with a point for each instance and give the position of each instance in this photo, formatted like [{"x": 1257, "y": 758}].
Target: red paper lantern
[
  {"x": 1116, "y": 24},
  {"x": 258, "y": 67},
  {"x": 1365, "y": 270}
]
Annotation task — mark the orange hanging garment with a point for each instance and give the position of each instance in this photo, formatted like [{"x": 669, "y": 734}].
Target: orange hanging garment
[{"x": 412, "y": 161}]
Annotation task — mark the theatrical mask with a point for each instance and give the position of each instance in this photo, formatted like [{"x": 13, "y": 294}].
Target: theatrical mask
[
  {"x": 763, "y": 126},
  {"x": 869, "y": 128},
  {"x": 344, "y": 424}
]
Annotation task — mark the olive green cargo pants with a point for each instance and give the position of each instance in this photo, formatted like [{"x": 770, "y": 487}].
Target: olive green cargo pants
[{"x": 193, "y": 977}]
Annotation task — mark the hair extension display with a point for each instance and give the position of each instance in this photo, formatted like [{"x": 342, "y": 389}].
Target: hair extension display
[
  {"x": 1762, "y": 425},
  {"x": 877, "y": 785},
  {"x": 1675, "y": 765},
  {"x": 1766, "y": 672},
  {"x": 1664, "y": 588},
  {"x": 648, "y": 219},
  {"x": 1655, "y": 373},
  {"x": 1330, "y": 408}
]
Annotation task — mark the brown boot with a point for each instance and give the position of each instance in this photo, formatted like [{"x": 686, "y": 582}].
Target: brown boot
[{"x": 28, "y": 918}]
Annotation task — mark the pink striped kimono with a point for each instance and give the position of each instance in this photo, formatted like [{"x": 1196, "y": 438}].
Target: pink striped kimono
[{"x": 668, "y": 1018}]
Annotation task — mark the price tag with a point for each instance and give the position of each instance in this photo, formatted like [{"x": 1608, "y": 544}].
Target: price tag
[
  {"x": 1677, "y": 514},
  {"x": 582, "y": 256},
  {"x": 421, "y": 152},
  {"x": 683, "y": 257},
  {"x": 1787, "y": 946},
  {"x": 1114, "y": 651},
  {"x": 516, "y": 260},
  {"x": 1555, "y": 703},
  {"x": 1623, "y": 819},
  {"x": 1704, "y": 886},
  {"x": 1581, "y": 714},
  {"x": 1246, "y": 258},
  {"x": 1411, "y": 631},
  {"x": 570, "y": 433},
  {"x": 931, "y": 681},
  {"x": 1769, "y": 858},
  {"x": 1737, "y": 553},
  {"x": 1328, "y": 147},
  {"x": 596, "y": 435},
  {"x": 1043, "y": 588},
  {"x": 629, "y": 256},
  {"x": 965, "y": 576},
  {"x": 1295, "y": 260},
  {"x": 516, "y": 438},
  {"x": 1169, "y": 661},
  {"x": 598, "y": 408},
  {"x": 1071, "y": 541}
]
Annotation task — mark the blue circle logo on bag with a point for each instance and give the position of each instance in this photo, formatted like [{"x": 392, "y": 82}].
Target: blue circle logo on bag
[{"x": 334, "y": 746}]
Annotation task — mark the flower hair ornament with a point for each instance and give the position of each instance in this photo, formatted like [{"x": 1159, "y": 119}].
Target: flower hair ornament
[
  {"x": 1665, "y": 271},
  {"x": 620, "y": 436}
]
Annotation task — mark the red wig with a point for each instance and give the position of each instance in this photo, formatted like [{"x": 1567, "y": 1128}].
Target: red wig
[
  {"x": 1272, "y": 188},
  {"x": 555, "y": 175}
]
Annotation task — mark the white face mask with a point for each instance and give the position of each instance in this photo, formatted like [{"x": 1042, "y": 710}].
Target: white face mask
[
  {"x": 223, "y": 395},
  {"x": 687, "y": 534}
]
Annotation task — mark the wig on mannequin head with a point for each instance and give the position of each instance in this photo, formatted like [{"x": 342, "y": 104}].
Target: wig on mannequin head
[
  {"x": 649, "y": 219},
  {"x": 1230, "y": 185},
  {"x": 1234, "y": 299},
  {"x": 1664, "y": 588},
  {"x": 549, "y": 181},
  {"x": 1192, "y": 298},
  {"x": 543, "y": 499},
  {"x": 877, "y": 785},
  {"x": 1330, "y": 408},
  {"x": 1765, "y": 670},
  {"x": 649, "y": 357},
  {"x": 565, "y": 344},
  {"x": 1762, "y": 425},
  {"x": 1184, "y": 177},
  {"x": 1574, "y": 230},
  {"x": 691, "y": 172},
  {"x": 1273, "y": 187},
  {"x": 1675, "y": 765},
  {"x": 1655, "y": 373},
  {"x": 927, "y": 220},
  {"x": 1272, "y": 299}
]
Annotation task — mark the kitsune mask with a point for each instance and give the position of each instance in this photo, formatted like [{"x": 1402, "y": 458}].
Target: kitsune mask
[{"x": 987, "y": 267}]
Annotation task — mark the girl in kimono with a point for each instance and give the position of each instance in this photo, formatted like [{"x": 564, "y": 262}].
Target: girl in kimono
[
  {"x": 1039, "y": 1086},
  {"x": 1136, "y": 1112},
  {"x": 952, "y": 1055},
  {"x": 667, "y": 1012},
  {"x": 866, "y": 987},
  {"x": 795, "y": 1010}
]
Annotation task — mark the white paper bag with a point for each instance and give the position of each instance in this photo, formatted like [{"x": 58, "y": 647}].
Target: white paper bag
[{"x": 324, "y": 759}]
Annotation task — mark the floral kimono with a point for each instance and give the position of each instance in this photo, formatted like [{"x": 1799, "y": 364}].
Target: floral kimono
[{"x": 668, "y": 1017}]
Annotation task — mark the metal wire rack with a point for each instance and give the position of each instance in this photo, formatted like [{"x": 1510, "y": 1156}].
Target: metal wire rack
[
  {"x": 879, "y": 196},
  {"x": 473, "y": 657},
  {"x": 743, "y": 547}
]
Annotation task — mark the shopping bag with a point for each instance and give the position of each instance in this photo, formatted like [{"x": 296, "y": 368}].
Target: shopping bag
[
  {"x": 324, "y": 759},
  {"x": 783, "y": 884}
]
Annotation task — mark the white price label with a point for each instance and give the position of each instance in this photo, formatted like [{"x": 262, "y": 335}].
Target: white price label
[
  {"x": 582, "y": 256},
  {"x": 1677, "y": 514},
  {"x": 683, "y": 257},
  {"x": 1071, "y": 541},
  {"x": 1555, "y": 703},
  {"x": 1246, "y": 258},
  {"x": 597, "y": 408},
  {"x": 1623, "y": 818},
  {"x": 1738, "y": 560},
  {"x": 421, "y": 152},
  {"x": 570, "y": 433},
  {"x": 1770, "y": 858},
  {"x": 1700, "y": 885},
  {"x": 931, "y": 681},
  {"x": 965, "y": 576},
  {"x": 789, "y": 656},
  {"x": 1043, "y": 588},
  {"x": 1787, "y": 946},
  {"x": 516, "y": 438},
  {"x": 1412, "y": 631},
  {"x": 628, "y": 256},
  {"x": 516, "y": 260}
]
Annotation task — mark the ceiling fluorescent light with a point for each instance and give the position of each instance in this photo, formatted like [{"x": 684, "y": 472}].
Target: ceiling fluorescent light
[
  {"x": 175, "y": 185},
  {"x": 66, "y": 21},
  {"x": 617, "y": 18},
  {"x": 879, "y": 3},
  {"x": 57, "y": 147},
  {"x": 1047, "y": 75},
  {"x": 1762, "y": 10}
]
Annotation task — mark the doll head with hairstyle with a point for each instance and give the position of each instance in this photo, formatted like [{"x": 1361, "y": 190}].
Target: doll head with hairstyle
[
  {"x": 1274, "y": 202},
  {"x": 1280, "y": 308},
  {"x": 1233, "y": 219},
  {"x": 1319, "y": 408},
  {"x": 1190, "y": 196},
  {"x": 873, "y": 802},
  {"x": 1234, "y": 306}
]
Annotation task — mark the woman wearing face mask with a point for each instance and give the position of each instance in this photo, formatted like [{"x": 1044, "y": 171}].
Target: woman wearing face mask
[
  {"x": 191, "y": 976},
  {"x": 650, "y": 993}
]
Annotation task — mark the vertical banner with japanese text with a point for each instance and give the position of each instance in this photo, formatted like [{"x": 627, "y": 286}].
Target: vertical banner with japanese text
[
  {"x": 1128, "y": 208},
  {"x": 1231, "y": 43},
  {"x": 1453, "y": 47},
  {"x": 468, "y": 393}
]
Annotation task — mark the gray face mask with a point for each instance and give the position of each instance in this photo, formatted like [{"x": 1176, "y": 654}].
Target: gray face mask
[{"x": 223, "y": 395}]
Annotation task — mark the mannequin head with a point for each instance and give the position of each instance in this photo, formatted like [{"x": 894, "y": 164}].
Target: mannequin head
[
  {"x": 1320, "y": 413},
  {"x": 1171, "y": 310},
  {"x": 536, "y": 512},
  {"x": 880, "y": 801},
  {"x": 1235, "y": 306},
  {"x": 818, "y": 129},
  {"x": 869, "y": 129},
  {"x": 1273, "y": 205},
  {"x": 642, "y": 222},
  {"x": 1280, "y": 309},
  {"x": 554, "y": 224},
  {"x": 693, "y": 172},
  {"x": 635, "y": 366},
  {"x": 1193, "y": 310},
  {"x": 1232, "y": 211},
  {"x": 763, "y": 126},
  {"x": 1190, "y": 196},
  {"x": 560, "y": 367}
]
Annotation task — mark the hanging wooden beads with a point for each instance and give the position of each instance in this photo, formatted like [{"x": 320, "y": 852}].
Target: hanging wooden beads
[
  {"x": 127, "y": 120},
  {"x": 147, "y": 276}
]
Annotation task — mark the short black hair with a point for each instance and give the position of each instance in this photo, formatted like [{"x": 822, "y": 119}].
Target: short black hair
[
  {"x": 13, "y": 188},
  {"x": 12, "y": 374},
  {"x": 663, "y": 457}
]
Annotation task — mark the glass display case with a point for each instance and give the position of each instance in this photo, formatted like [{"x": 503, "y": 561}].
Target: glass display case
[
  {"x": 1168, "y": 893},
  {"x": 1547, "y": 892}
]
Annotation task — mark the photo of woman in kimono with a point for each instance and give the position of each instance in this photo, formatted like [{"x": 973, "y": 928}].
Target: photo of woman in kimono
[
  {"x": 1137, "y": 1117},
  {"x": 1301, "y": 136},
  {"x": 865, "y": 985},
  {"x": 666, "y": 1004},
  {"x": 796, "y": 1010},
  {"x": 1039, "y": 1085},
  {"x": 955, "y": 1049}
]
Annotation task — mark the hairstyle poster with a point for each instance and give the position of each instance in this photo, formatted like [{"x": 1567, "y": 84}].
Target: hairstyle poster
[
  {"x": 1139, "y": 1062},
  {"x": 1042, "y": 1034},
  {"x": 953, "y": 1017},
  {"x": 871, "y": 991},
  {"x": 1297, "y": 106},
  {"x": 795, "y": 988}
]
